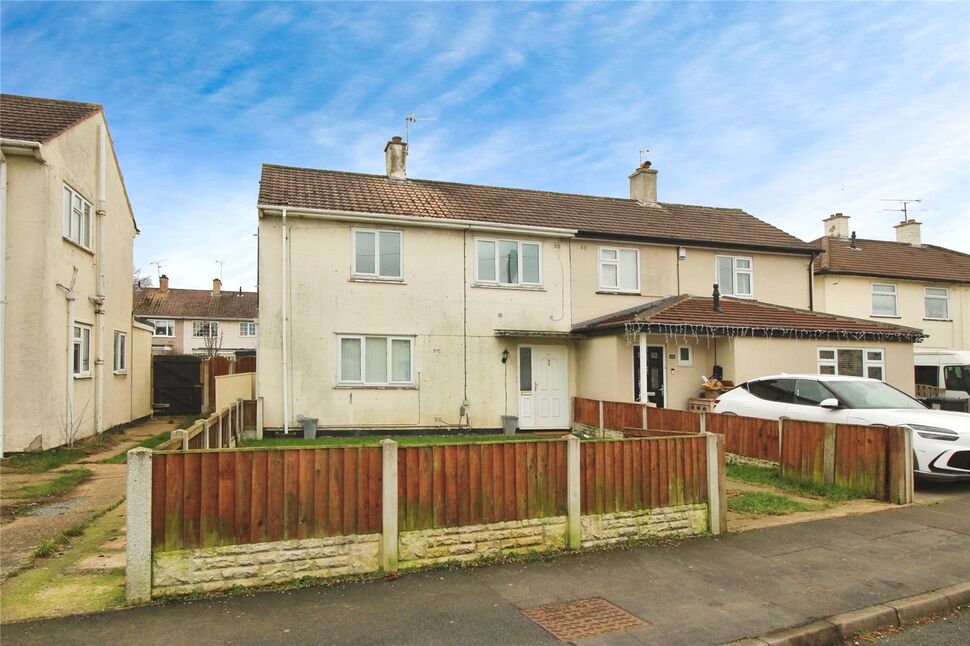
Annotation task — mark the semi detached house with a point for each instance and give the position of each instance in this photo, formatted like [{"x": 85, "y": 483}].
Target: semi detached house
[{"x": 389, "y": 302}]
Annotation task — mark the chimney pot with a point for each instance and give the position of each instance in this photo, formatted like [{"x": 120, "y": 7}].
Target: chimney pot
[
  {"x": 836, "y": 226},
  {"x": 643, "y": 184},
  {"x": 163, "y": 284},
  {"x": 908, "y": 232},
  {"x": 216, "y": 286},
  {"x": 395, "y": 156}
]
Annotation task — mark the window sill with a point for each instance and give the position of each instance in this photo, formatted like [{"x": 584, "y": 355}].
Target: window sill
[
  {"x": 885, "y": 316},
  {"x": 521, "y": 288},
  {"x": 618, "y": 292},
  {"x": 376, "y": 279},
  {"x": 86, "y": 375},
  {"x": 120, "y": 373},
  {"x": 162, "y": 337},
  {"x": 939, "y": 320},
  {"x": 74, "y": 243},
  {"x": 375, "y": 387}
]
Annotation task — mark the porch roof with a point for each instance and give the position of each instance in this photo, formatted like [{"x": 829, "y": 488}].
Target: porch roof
[{"x": 695, "y": 315}]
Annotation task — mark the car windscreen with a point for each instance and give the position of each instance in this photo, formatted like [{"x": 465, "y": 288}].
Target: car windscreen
[{"x": 871, "y": 394}]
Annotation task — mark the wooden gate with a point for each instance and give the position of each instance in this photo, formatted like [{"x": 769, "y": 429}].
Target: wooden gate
[{"x": 177, "y": 384}]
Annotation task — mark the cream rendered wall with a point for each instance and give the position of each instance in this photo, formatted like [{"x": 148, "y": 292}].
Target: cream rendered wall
[
  {"x": 429, "y": 304},
  {"x": 38, "y": 257},
  {"x": 777, "y": 278},
  {"x": 758, "y": 357},
  {"x": 140, "y": 368},
  {"x": 852, "y": 296}
]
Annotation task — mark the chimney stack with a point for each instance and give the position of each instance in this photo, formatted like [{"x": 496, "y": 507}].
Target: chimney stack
[
  {"x": 395, "y": 155},
  {"x": 163, "y": 284},
  {"x": 836, "y": 226},
  {"x": 643, "y": 184},
  {"x": 216, "y": 286},
  {"x": 907, "y": 231}
]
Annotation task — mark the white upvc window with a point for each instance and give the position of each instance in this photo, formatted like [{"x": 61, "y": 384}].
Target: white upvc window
[
  {"x": 376, "y": 360},
  {"x": 508, "y": 262},
  {"x": 936, "y": 303},
  {"x": 82, "y": 350},
  {"x": 247, "y": 328},
  {"x": 884, "y": 300},
  {"x": 734, "y": 275},
  {"x": 619, "y": 269},
  {"x": 201, "y": 329},
  {"x": 121, "y": 353},
  {"x": 164, "y": 327},
  {"x": 852, "y": 362},
  {"x": 685, "y": 355},
  {"x": 77, "y": 218},
  {"x": 377, "y": 253}
]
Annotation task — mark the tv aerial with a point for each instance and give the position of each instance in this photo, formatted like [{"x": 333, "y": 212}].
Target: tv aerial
[
  {"x": 413, "y": 119},
  {"x": 158, "y": 266},
  {"x": 905, "y": 207}
]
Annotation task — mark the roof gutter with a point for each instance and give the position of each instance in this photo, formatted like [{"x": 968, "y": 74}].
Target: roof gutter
[
  {"x": 386, "y": 218},
  {"x": 23, "y": 147}
]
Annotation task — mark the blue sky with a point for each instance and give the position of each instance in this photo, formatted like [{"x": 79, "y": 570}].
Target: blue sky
[{"x": 791, "y": 111}]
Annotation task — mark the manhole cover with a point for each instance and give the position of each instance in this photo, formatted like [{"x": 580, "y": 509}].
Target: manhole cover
[{"x": 584, "y": 618}]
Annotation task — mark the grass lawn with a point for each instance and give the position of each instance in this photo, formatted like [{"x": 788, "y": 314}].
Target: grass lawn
[
  {"x": 771, "y": 477},
  {"x": 65, "y": 482},
  {"x": 150, "y": 443},
  {"x": 758, "y": 503},
  {"x": 42, "y": 461},
  {"x": 404, "y": 440}
]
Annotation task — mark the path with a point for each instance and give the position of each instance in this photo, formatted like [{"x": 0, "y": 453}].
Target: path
[{"x": 703, "y": 591}]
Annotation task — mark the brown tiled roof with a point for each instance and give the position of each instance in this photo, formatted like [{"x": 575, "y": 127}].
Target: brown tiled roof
[
  {"x": 741, "y": 317},
  {"x": 150, "y": 302},
  {"x": 588, "y": 214},
  {"x": 887, "y": 259},
  {"x": 34, "y": 119}
]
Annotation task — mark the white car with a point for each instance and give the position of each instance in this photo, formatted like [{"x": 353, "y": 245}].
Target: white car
[{"x": 941, "y": 439}]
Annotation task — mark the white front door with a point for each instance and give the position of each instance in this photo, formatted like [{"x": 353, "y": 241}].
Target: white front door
[{"x": 543, "y": 387}]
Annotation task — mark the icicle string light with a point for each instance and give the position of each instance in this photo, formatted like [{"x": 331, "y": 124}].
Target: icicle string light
[{"x": 672, "y": 331}]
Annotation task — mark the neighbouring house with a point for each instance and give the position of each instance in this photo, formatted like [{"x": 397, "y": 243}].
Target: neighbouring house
[
  {"x": 396, "y": 303},
  {"x": 199, "y": 321},
  {"x": 74, "y": 362},
  {"x": 902, "y": 281}
]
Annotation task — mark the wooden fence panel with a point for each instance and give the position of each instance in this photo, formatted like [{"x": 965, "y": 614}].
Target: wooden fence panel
[
  {"x": 249, "y": 414},
  {"x": 468, "y": 484},
  {"x": 626, "y": 475},
  {"x": 586, "y": 411},
  {"x": 245, "y": 364},
  {"x": 620, "y": 415},
  {"x": 802, "y": 450},
  {"x": 206, "y": 499},
  {"x": 668, "y": 419},
  {"x": 751, "y": 437},
  {"x": 861, "y": 454}
]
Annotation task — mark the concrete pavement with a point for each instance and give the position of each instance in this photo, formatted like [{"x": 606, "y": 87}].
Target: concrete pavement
[{"x": 703, "y": 591}]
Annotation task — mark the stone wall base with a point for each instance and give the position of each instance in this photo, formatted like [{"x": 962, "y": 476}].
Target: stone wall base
[
  {"x": 609, "y": 529},
  {"x": 421, "y": 548},
  {"x": 219, "y": 568}
]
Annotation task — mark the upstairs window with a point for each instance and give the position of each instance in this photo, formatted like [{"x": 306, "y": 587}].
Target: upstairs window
[
  {"x": 77, "y": 218},
  {"x": 247, "y": 328},
  {"x": 734, "y": 275},
  {"x": 377, "y": 253},
  {"x": 121, "y": 353},
  {"x": 936, "y": 303},
  {"x": 202, "y": 329},
  {"x": 619, "y": 269},
  {"x": 164, "y": 327},
  {"x": 884, "y": 300},
  {"x": 508, "y": 262}
]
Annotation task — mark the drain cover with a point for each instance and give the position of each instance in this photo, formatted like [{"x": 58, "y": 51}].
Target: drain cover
[{"x": 583, "y": 618}]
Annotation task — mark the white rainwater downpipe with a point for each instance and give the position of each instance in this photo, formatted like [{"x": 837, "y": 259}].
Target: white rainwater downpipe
[
  {"x": 3, "y": 283},
  {"x": 71, "y": 297},
  {"x": 286, "y": 349},
  {"x": 99, "y": 299}
]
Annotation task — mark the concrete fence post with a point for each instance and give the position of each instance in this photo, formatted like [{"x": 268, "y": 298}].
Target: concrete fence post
[
  {"x": 183, "y": 438},
  {"x": 259, "y": 418},
  {"x": 219, "y": 430},
  {"x": 138, "y": 517},
  {"x": 716, "y": 486},
  {"x": 645, "y": 417},
  {"x": 205, "y": 433},
  {"x": 899, "y": 467},
  {"x": 703, "y": 423},
  {"x": 601, "y": 414},
  {"x": 828, "y": 454},
  {"x": 781, "y": 444},
  {"x": 389, "y": 503},
  {"x": 574, "y": 536}
]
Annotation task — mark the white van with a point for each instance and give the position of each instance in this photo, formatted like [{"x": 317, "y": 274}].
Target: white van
[{"x": 946, "y": 370}]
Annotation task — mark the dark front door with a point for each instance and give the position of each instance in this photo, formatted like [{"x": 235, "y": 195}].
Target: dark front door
[{"x": 655, "y": 374}]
